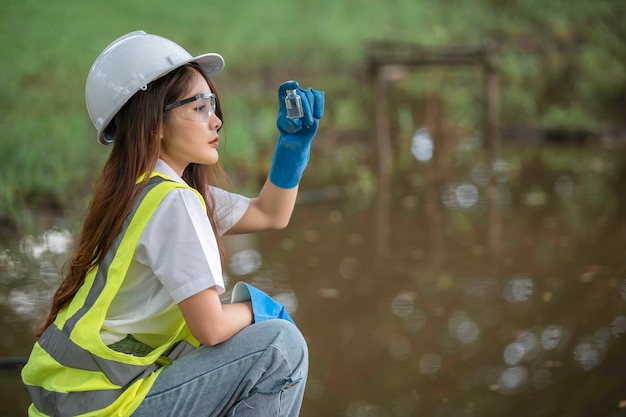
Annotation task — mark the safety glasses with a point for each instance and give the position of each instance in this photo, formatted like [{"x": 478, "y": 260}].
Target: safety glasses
[{"x": 198, "y": 108}]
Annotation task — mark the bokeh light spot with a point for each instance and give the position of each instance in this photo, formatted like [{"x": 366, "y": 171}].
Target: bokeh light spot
[
  {"x": 348, "y": 268},
  {"x": 430, "y": 363},
  {"x": 514, "y": 353},
  {"x": 518, "y": 290},
  {"x": 618, "y": 327},
  {"x": 402, "y": 304},
  {"x": 422, "y": 146},
  {"x": 245, "y": 262},
  {"x": 586, "y": 355},
  {"x": 551, "y": 337},
  {"x": 512, "y": 379}
]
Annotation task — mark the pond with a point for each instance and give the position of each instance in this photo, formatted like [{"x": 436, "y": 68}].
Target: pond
[{"x": 437, "y": 300}]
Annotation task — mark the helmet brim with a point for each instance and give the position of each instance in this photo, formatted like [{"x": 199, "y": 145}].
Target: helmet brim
[{"x": 210, "y": 63}]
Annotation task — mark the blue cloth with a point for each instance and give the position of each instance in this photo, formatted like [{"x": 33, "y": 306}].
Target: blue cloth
[
  {"x": 264, "y": 307},
  {"x": 292, "y": 152}
]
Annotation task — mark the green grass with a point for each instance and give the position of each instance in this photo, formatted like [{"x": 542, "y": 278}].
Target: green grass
[{"x": 48, "y": 143}]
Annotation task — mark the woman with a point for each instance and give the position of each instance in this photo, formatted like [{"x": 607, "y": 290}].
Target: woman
[{"x": 137, "y": 326}]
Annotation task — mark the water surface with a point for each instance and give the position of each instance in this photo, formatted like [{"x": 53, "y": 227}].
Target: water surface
[{"x": 436, "y": 302}]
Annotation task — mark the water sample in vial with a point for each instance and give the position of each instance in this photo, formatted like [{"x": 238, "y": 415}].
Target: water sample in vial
[{"x": 293, "y": 104}]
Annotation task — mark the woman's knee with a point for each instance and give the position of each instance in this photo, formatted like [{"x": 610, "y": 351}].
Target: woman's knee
[{"x": 286, "y": 338}]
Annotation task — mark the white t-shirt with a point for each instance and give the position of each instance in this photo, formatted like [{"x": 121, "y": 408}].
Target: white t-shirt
[{"x": 176, "y": 257}]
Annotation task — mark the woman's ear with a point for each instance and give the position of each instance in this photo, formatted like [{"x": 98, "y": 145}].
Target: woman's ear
[{"x": 161, "y": 132}]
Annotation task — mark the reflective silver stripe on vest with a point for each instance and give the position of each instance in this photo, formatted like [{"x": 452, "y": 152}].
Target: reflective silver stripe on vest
[
  {"x": 71, "y": 404},
  {"x": 57, "y": 343},
  {"x": 66, "y": 352}
]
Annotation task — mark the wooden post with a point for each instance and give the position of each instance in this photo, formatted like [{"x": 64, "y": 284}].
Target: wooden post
[
  {"x": 494, "y": 231},
  {"x": 385, "y": 166}
]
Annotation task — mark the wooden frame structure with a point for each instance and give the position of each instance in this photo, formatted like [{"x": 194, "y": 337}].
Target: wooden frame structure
[{"x": 383, "y": 55}]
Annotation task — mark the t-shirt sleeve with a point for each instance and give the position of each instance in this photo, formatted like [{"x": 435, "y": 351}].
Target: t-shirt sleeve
[
  {"x": 229, "y": 208},
  {"x": 179, "y": 245}
]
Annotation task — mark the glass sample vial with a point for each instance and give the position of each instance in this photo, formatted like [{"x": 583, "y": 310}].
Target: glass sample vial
[{"x": 293, "y": 104}]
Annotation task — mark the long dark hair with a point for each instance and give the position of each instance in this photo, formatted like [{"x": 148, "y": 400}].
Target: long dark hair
[{"x": 135, "y": 151}]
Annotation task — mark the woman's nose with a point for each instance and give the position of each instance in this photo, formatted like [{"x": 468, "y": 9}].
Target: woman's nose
[{"x": 215, "y": 123}]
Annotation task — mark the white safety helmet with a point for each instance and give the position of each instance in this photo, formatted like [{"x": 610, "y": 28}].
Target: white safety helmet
[{"x": 126, "y": 66}]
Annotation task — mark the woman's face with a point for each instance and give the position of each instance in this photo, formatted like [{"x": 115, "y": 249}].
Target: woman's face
[{"x": 189, "y": 132}]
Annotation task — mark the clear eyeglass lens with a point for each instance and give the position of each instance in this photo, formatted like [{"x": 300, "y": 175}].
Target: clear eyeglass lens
[{"x": 199, "y": 110}]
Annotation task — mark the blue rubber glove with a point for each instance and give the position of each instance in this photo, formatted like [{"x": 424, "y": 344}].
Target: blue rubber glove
[
  {"x": 263, "y": 306},
  {"x": 295, "y": 135}
]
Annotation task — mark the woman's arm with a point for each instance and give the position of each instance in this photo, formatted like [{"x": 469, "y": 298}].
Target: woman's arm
[
  {"x": 212, "y": 322},
  {"x": 270, "y": 210},
  {"x": 273, "y": 207}
]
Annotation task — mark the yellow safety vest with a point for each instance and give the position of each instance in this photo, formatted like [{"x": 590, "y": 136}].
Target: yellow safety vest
[{"x": 70, "y": 371}]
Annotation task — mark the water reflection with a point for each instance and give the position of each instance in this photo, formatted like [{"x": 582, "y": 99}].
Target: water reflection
[
  {"x": 407, "y": 336},
  {"x": 422, "y": 146},
  {"x": 31, "y": 274},
  {"x": 518, "y": 289}
]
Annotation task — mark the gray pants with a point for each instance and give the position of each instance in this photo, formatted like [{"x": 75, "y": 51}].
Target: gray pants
[{"x": 261, "y": 371}]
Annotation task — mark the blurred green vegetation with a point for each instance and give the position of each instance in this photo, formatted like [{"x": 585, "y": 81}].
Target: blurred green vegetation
[{"x": 562, "y": 66}]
